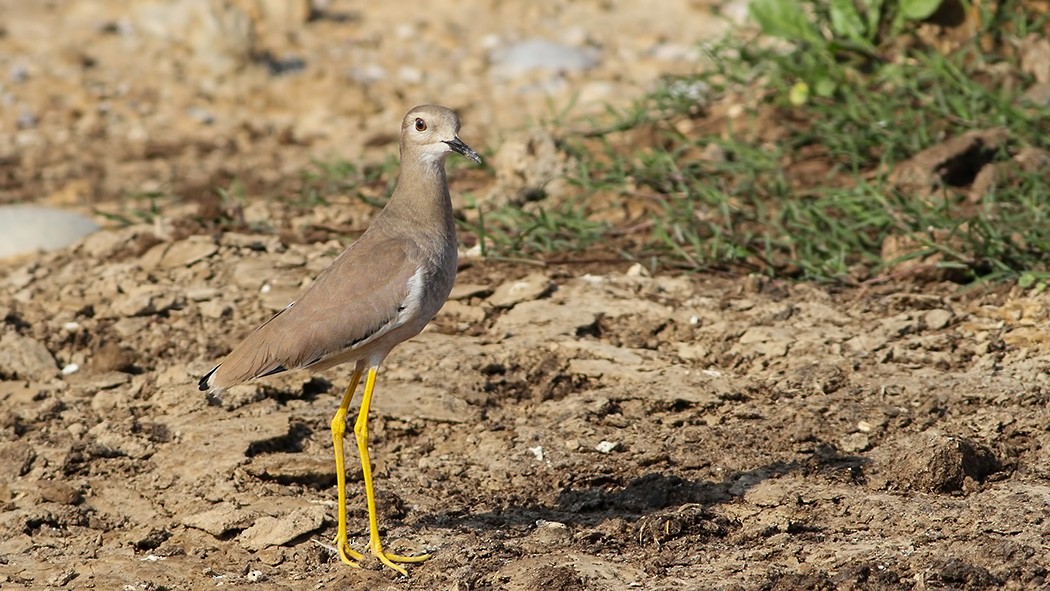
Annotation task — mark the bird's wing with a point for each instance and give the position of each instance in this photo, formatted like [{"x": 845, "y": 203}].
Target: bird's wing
[{"x": 359, "y": 297}]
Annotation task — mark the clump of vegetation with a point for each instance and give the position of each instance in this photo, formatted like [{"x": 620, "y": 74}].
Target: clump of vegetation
[{"x": 785, "y": 156}]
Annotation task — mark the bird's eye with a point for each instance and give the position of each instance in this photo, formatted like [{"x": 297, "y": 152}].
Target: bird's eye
[{"x": 420, "y": 124}]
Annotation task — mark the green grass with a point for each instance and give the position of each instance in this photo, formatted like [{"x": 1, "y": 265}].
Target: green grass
[
  {"x": 803, "y": 189},
  {"x": 860, "y": 113}
]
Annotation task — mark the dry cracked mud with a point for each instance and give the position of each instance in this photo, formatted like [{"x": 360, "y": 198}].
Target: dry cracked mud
[{"x": 573, "y": 426}]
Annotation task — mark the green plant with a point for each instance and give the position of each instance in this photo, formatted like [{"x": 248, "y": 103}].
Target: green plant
[
  {"x": 834, "y": 36},
  {"x": 800, "y": 188}
]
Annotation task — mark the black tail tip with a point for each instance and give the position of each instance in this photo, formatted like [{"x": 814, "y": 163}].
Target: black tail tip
[{"x": 202, "y": 384}]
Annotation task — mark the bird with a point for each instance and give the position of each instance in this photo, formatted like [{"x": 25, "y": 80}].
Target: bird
[{"x": 381, "y": 291}]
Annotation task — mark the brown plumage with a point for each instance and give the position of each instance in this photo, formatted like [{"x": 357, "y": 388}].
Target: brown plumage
[
  {"x": 379, "y": 292},
  {"x": 363, "y": 304}
]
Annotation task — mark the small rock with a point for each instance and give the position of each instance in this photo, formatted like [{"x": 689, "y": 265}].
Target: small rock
[
  {"x": 252, "y": 241},
  {"x": 714, "y": 153},
  {"x": 1035, "y": 57},
  {"x": 289, "y": 468},
  {"x": 463, "y": 291},
  {"x": 278, "y": 531},
  {"x": 112, "y": 357},
  {"x": 464, "y": 312},
  {"x": 511, "y": 293},
  {"x": 16, "y": 458},
  {"x": 938, "y": 319},
  {"x": 220, "y": 520},
  {"x": 931, "y": 461},
  {"x": 145, "y": 300},
  {"x": 539, "y": 54},
  {"x": 56, "y": 491},
  {"x": 186, "y": 252},
  {"x": 1038, "y": 94},
  {"x": 765, "y": 341},
  {"x": 214, "y": 309},
  {"x": 26, "y": 229},
  {"x": 23, "y": 358},
  {"x": 202, "y": 294},
  {"x": 528, "y": 167},
  {"x": 551, "y": 533},
  {"x": 949, "y": 162},
  {"x": 60, "y": 579},
  {"x": 637, "y": 270},
  {"x": 102, "y": 387},
  {"x": 606, "y": 447},
  {"x": 219, "y": 35},
  {"x": 854, "y": 443}
]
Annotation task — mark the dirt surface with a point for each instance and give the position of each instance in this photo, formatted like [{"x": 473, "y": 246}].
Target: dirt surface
[{"x": 566, "y": 427}]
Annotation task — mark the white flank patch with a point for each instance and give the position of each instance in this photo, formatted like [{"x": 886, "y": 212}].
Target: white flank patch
[
  {"x": 409, "y": 308},
  {"x": 413, "y": 301}
]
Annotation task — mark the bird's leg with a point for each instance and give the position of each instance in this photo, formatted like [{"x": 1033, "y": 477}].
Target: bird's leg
[
  {"x": 338, "y": 430},
  {"x": 361, "y": 431}
]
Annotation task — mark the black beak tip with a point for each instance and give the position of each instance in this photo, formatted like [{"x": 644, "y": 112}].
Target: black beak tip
[{"x": 457, "y": 145}]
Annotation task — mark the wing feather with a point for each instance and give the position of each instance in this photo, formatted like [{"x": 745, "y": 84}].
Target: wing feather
[{"x": 358, "y": 296}]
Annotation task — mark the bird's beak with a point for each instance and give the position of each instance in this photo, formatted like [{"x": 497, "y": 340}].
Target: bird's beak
[{"x": 458, "y": 146}]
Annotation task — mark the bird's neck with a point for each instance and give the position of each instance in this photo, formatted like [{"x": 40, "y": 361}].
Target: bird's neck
[{"x": 421, "y": 198}]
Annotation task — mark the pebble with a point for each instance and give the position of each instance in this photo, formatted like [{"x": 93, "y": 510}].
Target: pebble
[
  {"x": 529, "y": 166},
  {"x": 24, "y": 358},
  {"x": 26, "y": 229},
  {"x": 464, "y": 312},
  {"x": 186, "y": 252},
  {"x": 278, "y": 531},
  {"x": 525, "y": 56},
  {"x": 637, "y": 270},
  {"x": 552, "y": 533},
  {"x": 214, "y": 309},
  {"x": 217, "y": 36},
  {"x": 511, "y": 293},
  {"x": 1038, "y": 94},
  {"x": 56, "y": 491},
  {"x": 932, "y": 461},
  {"x": 854, "y": 443},
  {"x": 468, "y": 290},
  {"x": 291, "y": 467},
  {"x": 606, "y": 447},
  {"x": 200, "y": 115},
  {"x": 145, "y": 300},
  {"x": 938, "y": 319},
  {"x": 16, "y": 458},
  {"x": 220, "y": 520}
]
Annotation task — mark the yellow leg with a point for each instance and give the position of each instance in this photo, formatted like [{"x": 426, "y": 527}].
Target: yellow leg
[
  {"x": 361, "y": 431},
  {"x": 338, "y": 430}
]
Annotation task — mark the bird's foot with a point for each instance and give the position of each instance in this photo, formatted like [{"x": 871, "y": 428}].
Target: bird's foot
[
  {"x": 391, "y": 560},
  {"x": 350, "y": 557}
]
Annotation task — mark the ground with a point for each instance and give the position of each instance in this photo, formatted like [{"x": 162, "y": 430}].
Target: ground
[{"x": 578, "y": 426}]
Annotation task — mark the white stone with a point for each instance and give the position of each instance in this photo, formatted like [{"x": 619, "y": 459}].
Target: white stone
[{"x": 26, "y": 229}]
